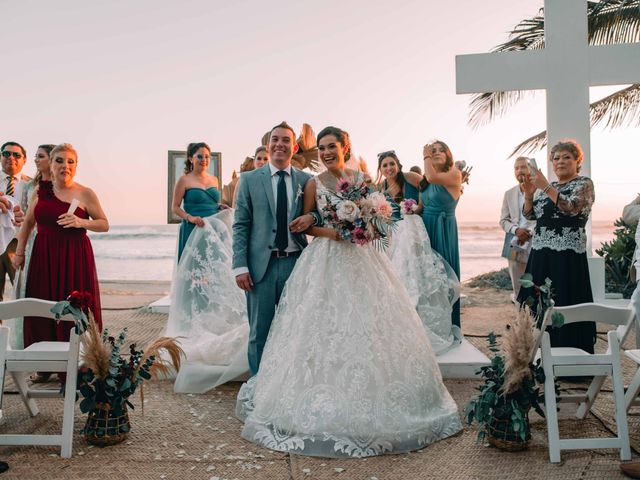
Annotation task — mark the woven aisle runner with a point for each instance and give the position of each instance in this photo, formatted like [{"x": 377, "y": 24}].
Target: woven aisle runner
[{"x": 197, "y": 437}]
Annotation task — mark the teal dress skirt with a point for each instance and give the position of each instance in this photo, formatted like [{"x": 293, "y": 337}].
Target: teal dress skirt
[
  {"x": 439, "y": 217},
  {"x": 197, "y": 202}
]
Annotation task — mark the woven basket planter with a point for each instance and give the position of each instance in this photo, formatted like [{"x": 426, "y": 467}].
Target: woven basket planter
[
  {"x": 104, "y": 427},
  {"x": 500, "y": 434}
]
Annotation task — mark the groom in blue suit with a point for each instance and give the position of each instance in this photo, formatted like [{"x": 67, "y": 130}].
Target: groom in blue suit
[{"x": 267, "y": 234}]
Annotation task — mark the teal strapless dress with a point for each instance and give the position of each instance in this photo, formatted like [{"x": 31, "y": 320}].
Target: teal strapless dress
[
  {"x": 439, "y": 217},
  {"x": 197, "y": 202}
]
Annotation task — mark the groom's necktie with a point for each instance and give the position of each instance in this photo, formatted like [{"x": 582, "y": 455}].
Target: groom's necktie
[
  {"x": 10, "y": 185},
  {"x": 282, "y": 234}
]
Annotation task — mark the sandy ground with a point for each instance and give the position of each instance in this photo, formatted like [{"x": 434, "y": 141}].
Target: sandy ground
[{"x": 197, "y": 436}]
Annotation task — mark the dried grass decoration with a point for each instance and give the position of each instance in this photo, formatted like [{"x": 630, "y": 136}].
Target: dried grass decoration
[
  {"x": 510, "y": 388},
  {"x": 108, "y": 377}
]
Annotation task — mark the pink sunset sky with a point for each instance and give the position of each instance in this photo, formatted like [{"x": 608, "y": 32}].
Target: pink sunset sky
[{"x": 126, "y": 81}]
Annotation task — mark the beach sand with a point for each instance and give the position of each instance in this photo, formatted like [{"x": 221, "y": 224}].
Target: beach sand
[{"x": 197, "y": 436}]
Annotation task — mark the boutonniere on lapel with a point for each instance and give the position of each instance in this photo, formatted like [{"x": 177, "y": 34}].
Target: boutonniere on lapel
[{"x": 299, "y": 193}]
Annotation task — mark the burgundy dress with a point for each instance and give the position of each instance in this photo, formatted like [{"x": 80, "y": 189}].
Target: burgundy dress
[{"x": 61, "y": 262}]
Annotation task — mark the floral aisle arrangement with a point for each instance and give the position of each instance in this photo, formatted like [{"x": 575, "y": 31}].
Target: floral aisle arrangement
[
  {"x": 511, "y": 382},
  {"x": 110, "y": 374},
  {"x": 510, "y": 388},
  {"x": 360, "y": 214}
]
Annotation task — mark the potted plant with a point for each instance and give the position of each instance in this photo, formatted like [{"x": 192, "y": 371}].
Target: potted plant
[
  {"x": 108, "y": 376},
  {"x": 511, "y": 382}
]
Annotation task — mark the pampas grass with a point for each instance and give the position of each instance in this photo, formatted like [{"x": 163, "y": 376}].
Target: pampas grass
[
  {"x": 517, "y": 344},
  {"x": 163, "y": 365},
  {"x": 95, "y": 351}
]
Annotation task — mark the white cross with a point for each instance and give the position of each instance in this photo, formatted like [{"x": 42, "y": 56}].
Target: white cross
[{"x": 565, "y": 68}]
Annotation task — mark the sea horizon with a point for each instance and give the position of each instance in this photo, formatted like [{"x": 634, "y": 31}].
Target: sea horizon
[{"x": 147, "y": 252}]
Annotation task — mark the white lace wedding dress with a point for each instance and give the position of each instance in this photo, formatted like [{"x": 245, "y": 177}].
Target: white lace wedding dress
[
  {"x": 208, "y": 310},
  {"x": 431, "y": 283},
  {"x": 348, "y": 369}
]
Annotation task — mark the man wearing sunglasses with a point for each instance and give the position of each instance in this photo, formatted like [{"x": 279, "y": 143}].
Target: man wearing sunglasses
[{"x": 12, "y": 183}]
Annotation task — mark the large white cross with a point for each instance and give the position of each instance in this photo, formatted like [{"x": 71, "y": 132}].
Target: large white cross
[{"x": 565, "y": 68}]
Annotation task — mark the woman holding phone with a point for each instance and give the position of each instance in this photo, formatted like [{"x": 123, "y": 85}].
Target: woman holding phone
[{"x": 559, "y": 245}]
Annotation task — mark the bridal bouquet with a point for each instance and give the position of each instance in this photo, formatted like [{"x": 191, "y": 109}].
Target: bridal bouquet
[{"x": 360, "y": 214}]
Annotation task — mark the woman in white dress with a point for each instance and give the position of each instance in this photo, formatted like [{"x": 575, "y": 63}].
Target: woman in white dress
[
  {"x": 431, "y": 283},
  {"x": 347, "y": 370}
]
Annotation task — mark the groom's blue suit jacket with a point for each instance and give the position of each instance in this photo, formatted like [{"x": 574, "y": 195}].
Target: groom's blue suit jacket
[{"x": 254, "y": 226}]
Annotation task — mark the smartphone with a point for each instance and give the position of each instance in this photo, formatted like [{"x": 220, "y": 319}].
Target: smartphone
[{"x": 533, "y": 164}]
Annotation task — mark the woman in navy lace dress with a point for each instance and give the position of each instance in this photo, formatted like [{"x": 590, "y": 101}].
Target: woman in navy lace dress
[{"x": 561, "y": 210}]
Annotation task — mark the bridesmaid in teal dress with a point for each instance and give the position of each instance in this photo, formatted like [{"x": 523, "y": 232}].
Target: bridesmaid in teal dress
[
  {"x": 439, "y": 199},
  {"x": 404, "y": 185},
  {"x": 197, "y": 191}
]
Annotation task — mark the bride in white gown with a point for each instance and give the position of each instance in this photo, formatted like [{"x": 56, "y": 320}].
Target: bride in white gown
[{"x": 348, "y": 369}]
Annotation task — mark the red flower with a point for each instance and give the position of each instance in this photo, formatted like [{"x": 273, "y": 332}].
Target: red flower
[{"x": 81, "y": 300}]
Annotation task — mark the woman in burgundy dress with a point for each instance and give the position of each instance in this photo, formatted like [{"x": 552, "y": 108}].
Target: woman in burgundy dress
[{"x": 62, "y": 258}]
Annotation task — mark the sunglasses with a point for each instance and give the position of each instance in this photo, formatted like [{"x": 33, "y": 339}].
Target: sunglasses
[
  {"x": 388, "y": 153},
  {"x": 16, "y": 155}
]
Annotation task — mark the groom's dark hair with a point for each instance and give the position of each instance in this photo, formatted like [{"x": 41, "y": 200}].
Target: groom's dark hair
[{"x": 286, "y": 126}]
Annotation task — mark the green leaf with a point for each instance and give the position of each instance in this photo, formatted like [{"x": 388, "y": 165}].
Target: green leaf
[
  {"x": 86, "y": 405},
  {"x": 557, "y": 319}
]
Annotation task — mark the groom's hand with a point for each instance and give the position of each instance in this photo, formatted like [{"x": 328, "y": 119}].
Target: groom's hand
[{"x": 244, "y": 282}]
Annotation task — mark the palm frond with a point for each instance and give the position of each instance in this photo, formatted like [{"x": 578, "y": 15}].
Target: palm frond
[
  {"x": 609, "y": 21},
  {"x": 620, "y": 109}
]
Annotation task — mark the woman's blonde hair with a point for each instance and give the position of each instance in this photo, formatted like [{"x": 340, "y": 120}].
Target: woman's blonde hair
[{"x": 63, "y": 147}]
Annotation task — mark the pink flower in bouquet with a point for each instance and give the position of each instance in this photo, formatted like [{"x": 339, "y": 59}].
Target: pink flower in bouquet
[
  {"x": 381, "y": 205},
  {"x": 343, "y": 185},
  {"x": 359, "y": 236},
  {"x": 408, "y": 206}
]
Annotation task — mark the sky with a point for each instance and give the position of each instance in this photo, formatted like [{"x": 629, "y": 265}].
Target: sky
[{"x": 126, "y": 81}]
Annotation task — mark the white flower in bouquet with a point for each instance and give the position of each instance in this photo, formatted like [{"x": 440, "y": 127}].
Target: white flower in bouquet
[{"x": 348, "y": 211}]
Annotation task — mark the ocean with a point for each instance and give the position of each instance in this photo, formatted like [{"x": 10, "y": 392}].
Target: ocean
[{"x": 147, "y": 252}]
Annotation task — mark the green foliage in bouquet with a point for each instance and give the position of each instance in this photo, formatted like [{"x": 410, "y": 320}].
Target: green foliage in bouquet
[{"x": 617, "y": 259}]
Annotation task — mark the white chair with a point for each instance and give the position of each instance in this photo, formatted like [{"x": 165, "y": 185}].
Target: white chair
[
  {"x": 631, "y": 396},
  {"x": 39, "y": 357},
  {"x": 574, "y": 362}
]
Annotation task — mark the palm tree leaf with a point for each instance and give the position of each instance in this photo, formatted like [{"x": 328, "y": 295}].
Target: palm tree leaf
[
  {"x": 610, "y": 21},
  {"x": 620, "y": 109}
]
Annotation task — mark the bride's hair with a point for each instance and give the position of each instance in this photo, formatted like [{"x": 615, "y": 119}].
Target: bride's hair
[{"x": 341, "y": 136}]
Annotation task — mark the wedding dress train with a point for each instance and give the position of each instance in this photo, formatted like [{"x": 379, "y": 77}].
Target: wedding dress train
[{"x": 208, "y": 310}]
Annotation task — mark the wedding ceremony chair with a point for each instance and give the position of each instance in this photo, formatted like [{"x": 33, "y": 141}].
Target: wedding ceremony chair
[
  {"x": 631, "y": 395},
  {"x": 559, "y": 362},
  {"x": 39, "y": 357}
]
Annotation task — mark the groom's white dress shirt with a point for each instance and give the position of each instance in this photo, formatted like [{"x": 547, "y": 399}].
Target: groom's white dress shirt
[{"x": 292, "y": 246}]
